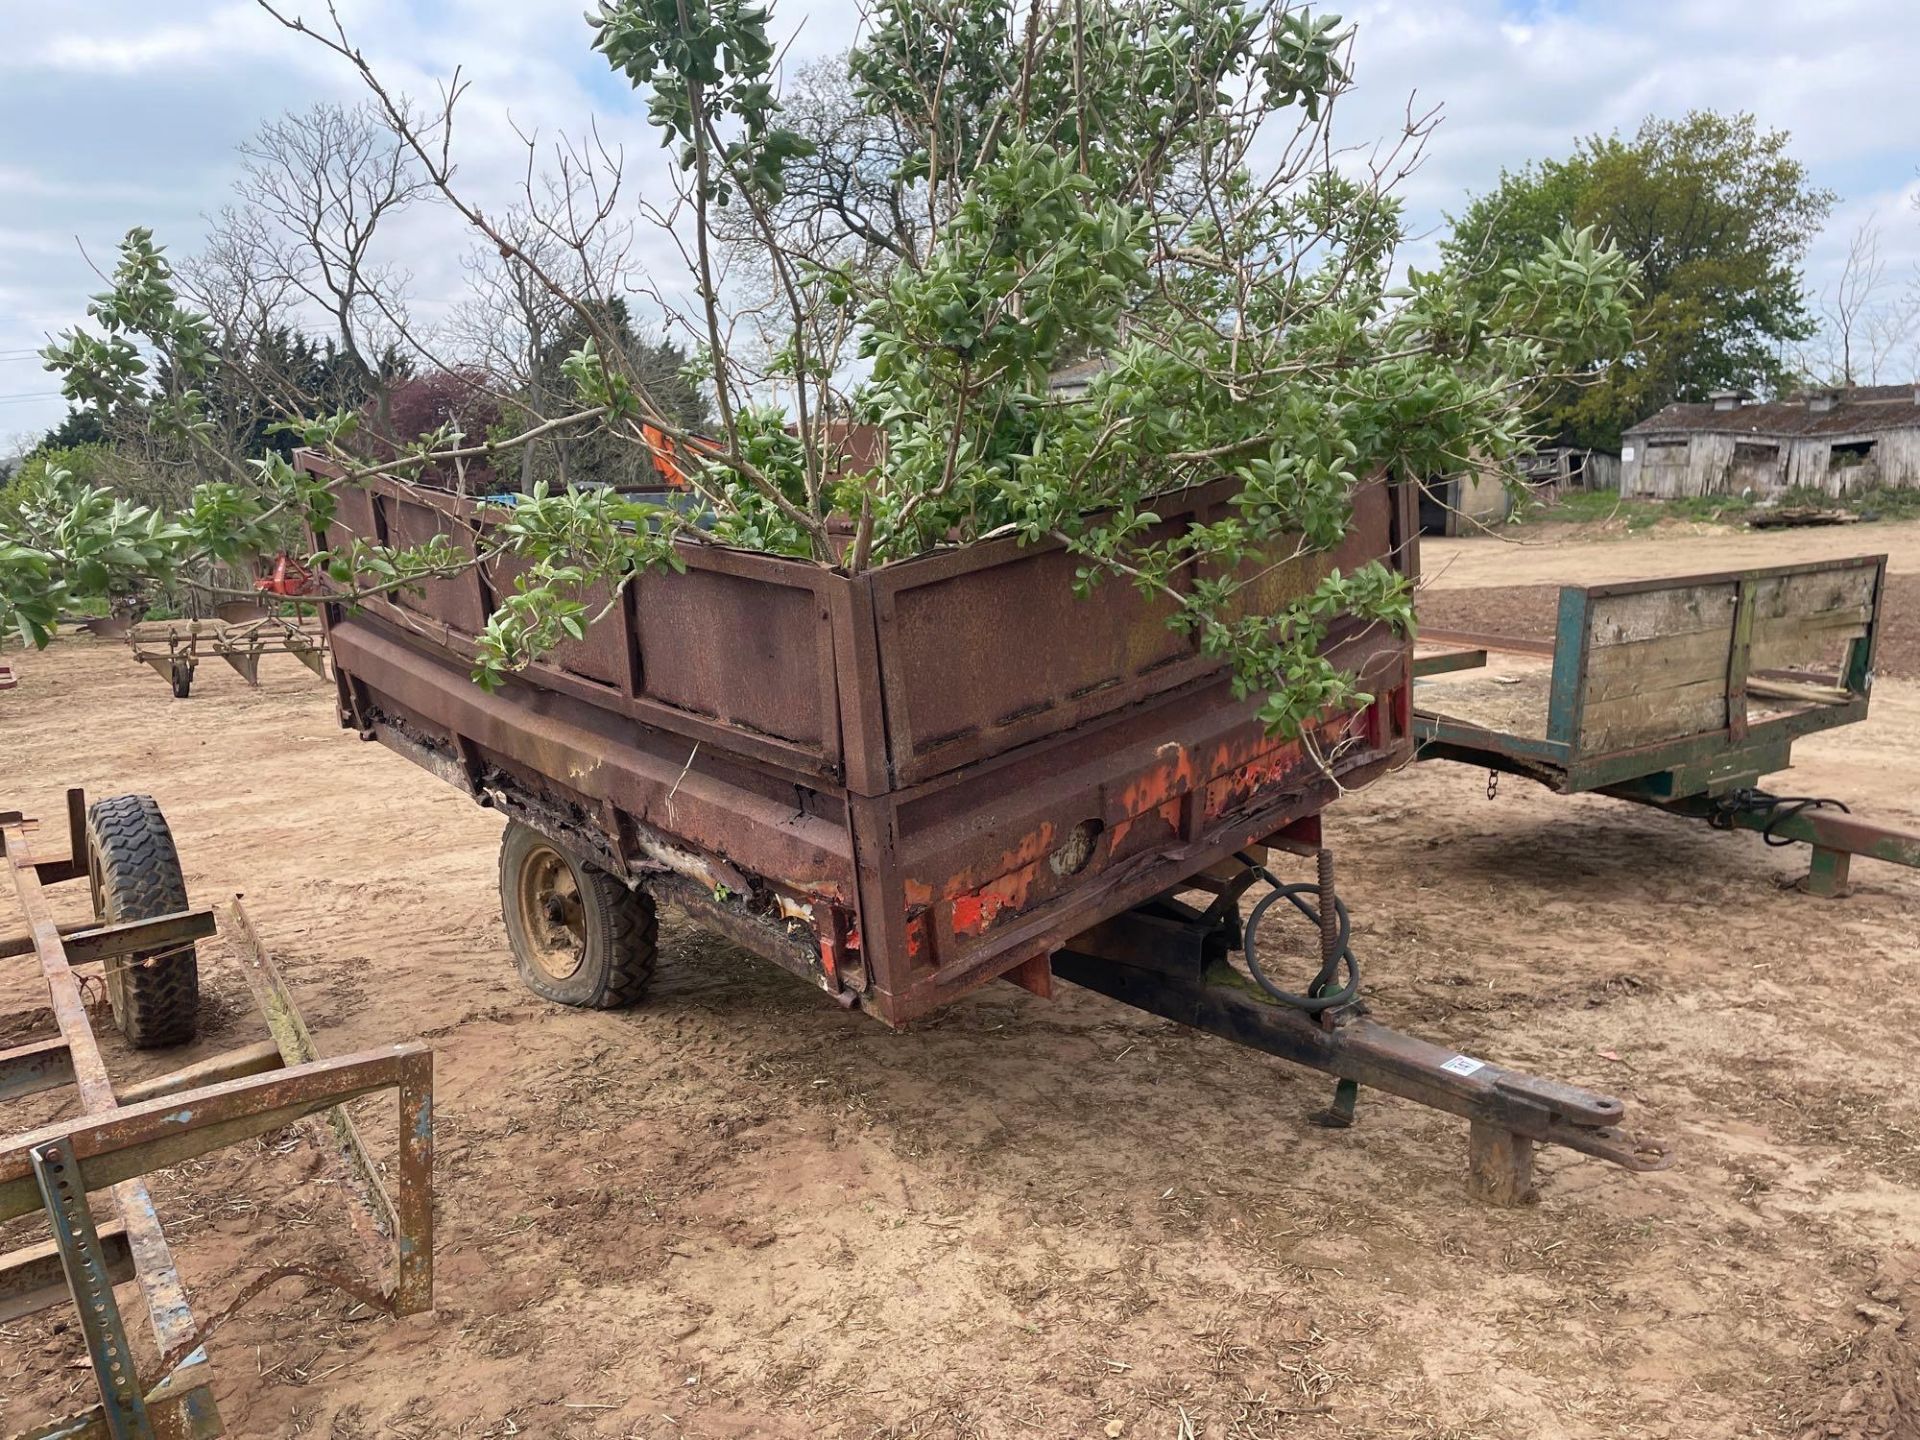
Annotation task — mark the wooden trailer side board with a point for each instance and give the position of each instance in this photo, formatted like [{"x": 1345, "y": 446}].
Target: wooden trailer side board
[{"x": 1706, "y": 678}]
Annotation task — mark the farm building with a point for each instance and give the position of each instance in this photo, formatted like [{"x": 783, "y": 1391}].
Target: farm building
[{"x": 1838, "y": 441}]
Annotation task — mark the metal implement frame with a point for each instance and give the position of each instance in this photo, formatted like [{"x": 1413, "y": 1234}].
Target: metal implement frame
[
  {"x": 1695, "y": 775},
  {"x": 1172, "y": 960},
  {"x": 173, "y": 648},
  {"x": 124, "y": 1133}
]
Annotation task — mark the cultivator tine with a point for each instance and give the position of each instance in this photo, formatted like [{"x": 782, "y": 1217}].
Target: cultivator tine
[{"x": 246, "y": 664}]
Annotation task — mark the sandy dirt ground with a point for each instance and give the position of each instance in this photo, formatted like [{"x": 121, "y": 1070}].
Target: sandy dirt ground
[{"x": 738, "y": 1211}]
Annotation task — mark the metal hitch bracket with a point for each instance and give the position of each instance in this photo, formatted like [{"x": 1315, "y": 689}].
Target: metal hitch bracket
[{"x": 1174, "y": 961}]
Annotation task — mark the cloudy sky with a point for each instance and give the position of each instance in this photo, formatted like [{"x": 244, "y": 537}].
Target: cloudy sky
[{"x": 116, "y": 113}]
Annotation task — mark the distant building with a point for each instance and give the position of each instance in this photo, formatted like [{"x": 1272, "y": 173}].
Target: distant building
[{"x": 1838, "y": 441}]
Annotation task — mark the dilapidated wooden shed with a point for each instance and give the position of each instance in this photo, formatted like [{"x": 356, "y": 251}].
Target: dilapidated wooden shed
[{"x": 1838, "y": 441}]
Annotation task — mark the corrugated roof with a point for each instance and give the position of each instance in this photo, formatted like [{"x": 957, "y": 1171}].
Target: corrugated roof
[{"x": 1864, "y": 408}]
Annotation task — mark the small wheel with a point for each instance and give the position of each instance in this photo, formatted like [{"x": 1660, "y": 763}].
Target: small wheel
[
  {"x": 182, "y": 681},
  {"x": 579, "y": 936},
  {"x": 134, "y": 872}
]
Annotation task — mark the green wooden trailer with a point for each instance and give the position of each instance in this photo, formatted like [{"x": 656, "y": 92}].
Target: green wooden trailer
[{"x": 1680, "y": 694}]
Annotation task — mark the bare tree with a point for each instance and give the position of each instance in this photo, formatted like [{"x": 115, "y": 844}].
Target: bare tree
[
  {"x": 322, "y": 184},
  {"x": 1870, "y": 323}
]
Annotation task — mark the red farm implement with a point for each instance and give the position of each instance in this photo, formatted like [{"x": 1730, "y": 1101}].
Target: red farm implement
[{"x": 904, "y": 784}]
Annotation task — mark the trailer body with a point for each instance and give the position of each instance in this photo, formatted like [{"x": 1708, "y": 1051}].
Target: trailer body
[{"x": 900, "y": 784}]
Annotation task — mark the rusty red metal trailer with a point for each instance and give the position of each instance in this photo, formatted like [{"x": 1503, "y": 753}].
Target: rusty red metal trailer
[{"x": 904, "y": 783}]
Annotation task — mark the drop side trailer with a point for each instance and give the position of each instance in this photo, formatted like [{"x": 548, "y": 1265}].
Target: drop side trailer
[
  {"x": 903, "y": 784},
  {"x": 1680, "y": 694}
]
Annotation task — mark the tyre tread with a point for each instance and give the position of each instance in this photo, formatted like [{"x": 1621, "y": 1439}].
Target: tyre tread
[{"x": 141, "y": 878}]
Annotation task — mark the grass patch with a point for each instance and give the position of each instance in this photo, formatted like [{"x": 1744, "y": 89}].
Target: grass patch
[
  {"x": 1595, "y": 507},
  {"x": 1599, "y": 507}
]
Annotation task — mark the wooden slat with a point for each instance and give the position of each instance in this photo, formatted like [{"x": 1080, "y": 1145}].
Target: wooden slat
[
  {"x": 1818, "y": 639},
  {"x": 1650, "y": 614},
  {"x": 1804, "y": 693},
  {"x": 1665, "y": 662},
  {"x": 1630, "y": 720},
  {"x": 1813, "y": 593}
]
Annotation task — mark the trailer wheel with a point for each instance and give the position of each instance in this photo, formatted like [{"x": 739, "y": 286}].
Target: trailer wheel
[
  {"x": 182, "y": 678},
  {"x": 134, "y": 872},
  {"x": 580, "y": 936}
]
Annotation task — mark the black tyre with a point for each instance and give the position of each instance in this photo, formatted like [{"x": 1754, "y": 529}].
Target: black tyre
[
  {"x": 134, "y": 872},
  {"x": 182, "y": 681},
  {"x": 579, "y": 936}
]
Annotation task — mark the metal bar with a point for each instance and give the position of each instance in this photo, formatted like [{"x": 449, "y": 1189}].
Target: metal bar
[
  {"x": 1828, "y": 873},
  {"x": 294, "y": 1044},
  {"x": 231, "y": 1065},
  {"x": 1827, "y": 829},
  {"x": 22, "y": 944},
  {"x": 76, "y": 829},
  {"x": 29, "y": 1069},
  {"x": 1179, "y": 970},
  {"x": 1566, "y": 700},
  {"x": 1857, "y": 674},
  {"x": 63, "y": 1191},
  {"x": 70, "y": 1012},
  {"x": 1446, "y": 662},
  {"x": 136, "y": 1139},
  {"x": 32, "y": 1278},
  {"x": 1480, "y": 640},
  {"x": 1739, "y": 660},
  {"x": 167, "y": 1312},
  {"x": 413, "y": 1239},
  {"x": 101, "y": 942},
  {"x": 1429, "y": 727}
]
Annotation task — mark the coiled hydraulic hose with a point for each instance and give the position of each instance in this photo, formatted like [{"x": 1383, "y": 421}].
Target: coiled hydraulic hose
[
  {"x": 1320, "y": 996},
  {"x": 1777, "y": 808}
]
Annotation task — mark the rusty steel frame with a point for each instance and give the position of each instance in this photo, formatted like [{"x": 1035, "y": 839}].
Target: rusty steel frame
[
  {"x": 900, "y": 785},
  {"x": 174, "y": 648},
  {"x": 124, "y": 1134}
]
